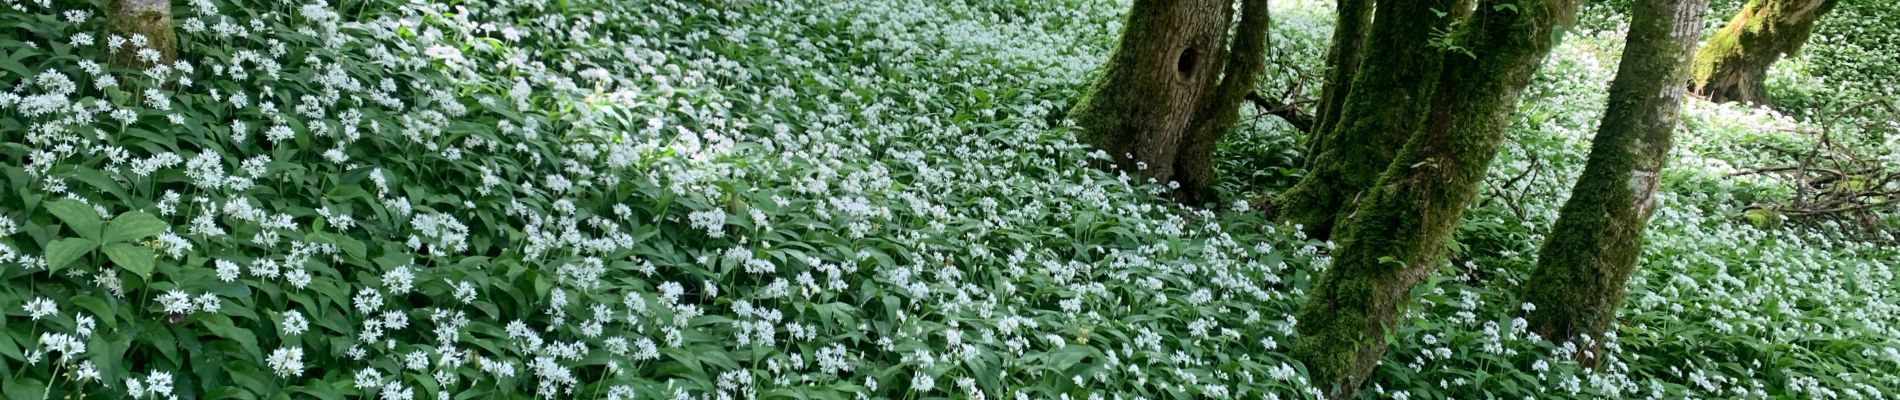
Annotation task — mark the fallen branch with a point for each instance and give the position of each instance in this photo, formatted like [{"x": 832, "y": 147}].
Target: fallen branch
[{"x": 1287, "y": 112}]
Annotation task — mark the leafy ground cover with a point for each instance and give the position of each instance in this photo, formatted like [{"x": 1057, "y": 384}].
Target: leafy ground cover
[{"x": 792, "y": 199}]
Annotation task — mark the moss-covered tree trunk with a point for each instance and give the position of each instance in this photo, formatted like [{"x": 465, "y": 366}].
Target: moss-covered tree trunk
[
  {"x": 1734, "y": 64},
  {"x": 1342, "y": 64},
  {"x": 1246, "y": 59},
  {"x": 1162, "y": 94},
  {"x": 1578, "y": 282},
  {"x": 1404, "y": 220},
  {"x": 141, "y": 21},
  {"x": 1387, "y": 96}
]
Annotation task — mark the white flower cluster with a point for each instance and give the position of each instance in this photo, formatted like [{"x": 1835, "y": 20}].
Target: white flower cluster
[{"x": 520, "y": 198}]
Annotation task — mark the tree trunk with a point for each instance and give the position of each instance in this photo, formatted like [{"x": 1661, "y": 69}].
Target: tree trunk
[
  {"x": 1164, "y": 78},
  {"x": 1386, "y": 99},
  {"x": 150, "y": 19},
  {"x": 1734, "y": 64},
  {"x": 1342, "y": 65},
  {"x": 1246, "y": 59},
  {"x": 1598, "y": 236},
  {"x": 1404, "y": 221}
]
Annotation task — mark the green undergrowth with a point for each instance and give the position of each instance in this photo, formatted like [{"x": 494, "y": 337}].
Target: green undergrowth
[{"x": 785, "y": 199}]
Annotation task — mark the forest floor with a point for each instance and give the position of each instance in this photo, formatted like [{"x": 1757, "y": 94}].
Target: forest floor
[{"x": 817, "y": 199}]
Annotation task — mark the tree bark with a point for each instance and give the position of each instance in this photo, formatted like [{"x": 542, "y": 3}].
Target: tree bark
[
  {"x": 1734, "y": 64},
  {"x": 1384, "y": 105},
  {"x": 1342, "y": 65},
  {"x": 1404, "y": 221},
  {"x": 1163, "y": 95},
  {"x": 150, "y": 19},
  {"x": 1597, "y": 239},
  {"x": 1246, "y": 60}
]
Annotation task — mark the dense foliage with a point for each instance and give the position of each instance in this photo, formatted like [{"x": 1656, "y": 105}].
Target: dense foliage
[{"x": 804, "y": 199}]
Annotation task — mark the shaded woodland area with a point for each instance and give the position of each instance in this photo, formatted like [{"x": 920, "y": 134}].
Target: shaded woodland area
[{"x": 1135, "y": 199}]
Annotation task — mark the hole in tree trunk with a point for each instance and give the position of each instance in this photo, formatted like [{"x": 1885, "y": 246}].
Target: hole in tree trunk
[{"x": 1185, "y": 65}]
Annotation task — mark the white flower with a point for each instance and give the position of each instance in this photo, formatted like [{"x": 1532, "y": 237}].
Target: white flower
[
  {"x": 286, "y": 362},
  {"x": 84, "y": 324},
  {"x": 298, "y": 278},
  {"x": 40, "y": 308},
  {"x": 208, "y": 302},
  {"x": 294, "y": 323},
  {"x": 88, "y": 372},
  {"x": 447, "y": 54},
  {"x": 159, "y": 383},
  {"x": 227, "y": 271},
  {"x": 66, "y": 345},
  {"x": 368, "y": 378},
  {"x": 175, "y": 302},
  {"x": 399, "y": 281},
  {"x": 277, "y": 134},
  {"x": 922, "y": 383},
  {"x": 368, "y": 301},
  {"x": 713, "y": 221},
  {"x": 465, "y": 292},
  {"x": 77, "y": 16}
]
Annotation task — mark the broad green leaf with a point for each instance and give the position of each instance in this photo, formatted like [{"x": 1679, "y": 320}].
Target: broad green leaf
[
  {"x": 354, "y": 248},
  {"x": 1061, "y": 359},
  {"x": 78, "y": 216},
  {"x": 133, "y": 226},
  {"x": 224, "y": 328},
  {"x": 319, "y": 389},
  {"x": 25, "y": 389},
  {"x": 64, "y": 251},
  {"x": 97, "y": 306},
  {"x": 135, "y": 258},
  {"x": 99, "y": 180}
]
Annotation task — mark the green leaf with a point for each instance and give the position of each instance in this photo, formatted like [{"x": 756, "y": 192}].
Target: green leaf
[
  {"x": 354, "y": 248},
  {"x": 224, "y": 328},
  {"x": 102, "y": 182},
  {"x": 1062, "y": 359},
  {"x": 64, "y": 251},
  {"x": 135, "y": 258},
  {"x": 76, "y": 215},
  {"x": 25, "y": 389},
  {"x": 133, "y": 226}
]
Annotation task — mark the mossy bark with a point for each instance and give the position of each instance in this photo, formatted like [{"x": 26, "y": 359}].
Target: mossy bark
[
  {"x": 151, "y": 19},
  {"x": 1403, "y": 222},
  {"x": 1246, "y": 59},
  {"x": 1342, "y": 64},
  {"x": 1139, "y": 108},
  {"x": 1383, "y": 106},
  {"x": 1163, "y": 95},
  {"x": 1597, "y": 239},
  {"x": 1734, "y": 64}
]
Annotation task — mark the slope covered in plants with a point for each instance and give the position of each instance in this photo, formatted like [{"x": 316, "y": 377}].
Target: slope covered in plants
[{"x": 781, "y": 199}]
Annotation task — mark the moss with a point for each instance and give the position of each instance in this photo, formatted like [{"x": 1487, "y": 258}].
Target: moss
[
  {"x": 1171, "y": 89},
  {"x": 1220, "y": 107},
  {"x": 1762, "y": 218},
  {"x": 1139, "y": 108},
  {"x": 150, "y": 18},
  {"x": 1734, "y": 64},
  {"x": 1342, "y": 62},
  {"x": 1405, "y": 219},
  {"x": 1579, "y": 279},
  {"x": 1378, "y": 115}
]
